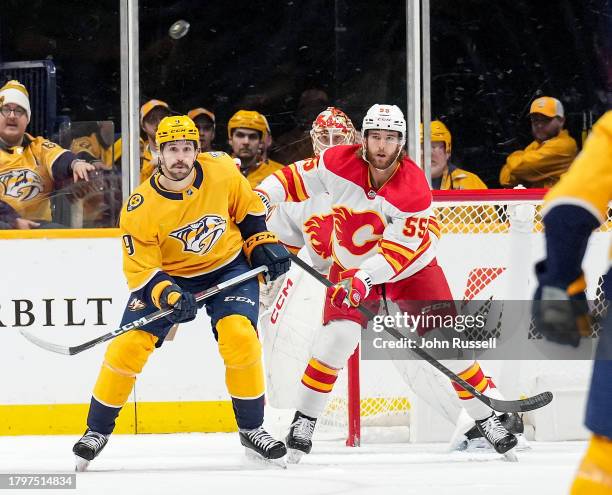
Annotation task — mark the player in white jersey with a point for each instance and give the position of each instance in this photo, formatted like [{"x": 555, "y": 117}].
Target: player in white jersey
[{"x": 383, "y": 243}]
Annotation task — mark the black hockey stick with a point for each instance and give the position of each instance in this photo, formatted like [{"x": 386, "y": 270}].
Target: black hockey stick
[
  {"x": 520, "y": 405},
  {"x": 70, "y": 351}
]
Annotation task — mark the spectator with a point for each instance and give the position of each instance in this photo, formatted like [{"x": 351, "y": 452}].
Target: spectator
[
  {"x": 30, "y": 167},
  {"x": 101, "y": 198},
  {"x": 151, "y": 114},
  {"x": 95, "y": 144},
  {"x": 542, "y": 163},
  {"x": 296, "y": 144},
  {"x": 444, "y": 174},
  {"x": 205, "y": 122},
  {"x": 247, "y": 132}
]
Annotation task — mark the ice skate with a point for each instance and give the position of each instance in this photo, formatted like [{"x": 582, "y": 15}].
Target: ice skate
[
  {"x": 88, "y": 448},
  {"x": 495, "y": 433},
  {"x": 260, "y": 446},
  {"x": 299, "y": 439}
]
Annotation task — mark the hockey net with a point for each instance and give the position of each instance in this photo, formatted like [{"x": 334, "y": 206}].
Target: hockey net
[{"x": 489, "y": 243}]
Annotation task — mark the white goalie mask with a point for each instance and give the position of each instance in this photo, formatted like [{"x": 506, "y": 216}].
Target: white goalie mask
[{"x": 331, "y": 128}]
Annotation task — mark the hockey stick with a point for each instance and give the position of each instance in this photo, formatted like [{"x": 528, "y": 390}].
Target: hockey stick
[
  {"x": 520, "y": 405},
  {"x": 70, "y": 351}
]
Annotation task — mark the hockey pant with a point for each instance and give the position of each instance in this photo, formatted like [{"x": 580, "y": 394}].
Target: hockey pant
[{"x": 127, "y": 354}]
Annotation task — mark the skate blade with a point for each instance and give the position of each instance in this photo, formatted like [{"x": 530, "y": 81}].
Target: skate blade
[
  {"x": 80, "y": 464},
  {"x": 294, "y": 456},
  {"x": 458, "y": 444},
  {"x": 510, "y": 456},
  {"x": 522, "y": 445},
  {"x": 258, "y": 460}
]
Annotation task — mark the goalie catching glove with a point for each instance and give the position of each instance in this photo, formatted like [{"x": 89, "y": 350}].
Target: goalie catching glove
[
  {"x": 263, "y": 249},
  {"x": 351, "y": 291},
  {"x": 561, "y": 315},
  {"x": 172, "y": 296}
]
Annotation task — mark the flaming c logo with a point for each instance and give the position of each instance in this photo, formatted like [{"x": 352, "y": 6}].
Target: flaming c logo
[
  {"x": 320, "y": 229},
  {"x": 357, "y": 231}
]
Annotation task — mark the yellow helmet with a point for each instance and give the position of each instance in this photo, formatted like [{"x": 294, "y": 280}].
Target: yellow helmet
[
  {"x": 248, "y": 119},
  {"x": 176, "y": 128},
  {"x": 439, "y": 132}
]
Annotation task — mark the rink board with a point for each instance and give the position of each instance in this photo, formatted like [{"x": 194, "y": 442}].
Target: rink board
[{"x": 70, "y": 288}]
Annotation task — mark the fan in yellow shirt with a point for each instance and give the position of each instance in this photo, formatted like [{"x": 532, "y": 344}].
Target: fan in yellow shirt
[{"x": 542, "y": 163}]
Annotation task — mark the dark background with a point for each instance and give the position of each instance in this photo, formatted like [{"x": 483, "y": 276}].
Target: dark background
[{"x": 488, "y": 61}]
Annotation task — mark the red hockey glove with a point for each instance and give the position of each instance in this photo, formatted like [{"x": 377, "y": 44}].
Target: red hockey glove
[{"x": 351, "y": 291}]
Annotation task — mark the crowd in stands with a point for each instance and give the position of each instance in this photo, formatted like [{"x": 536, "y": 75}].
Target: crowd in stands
[{"x": 36, "y": 173}]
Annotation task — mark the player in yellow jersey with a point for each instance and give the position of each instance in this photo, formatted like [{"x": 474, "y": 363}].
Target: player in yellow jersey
[
  {"x": 248, "y": 133},
  {"x": 192, "y": 225},
  {"x": 576, "y": 206}
]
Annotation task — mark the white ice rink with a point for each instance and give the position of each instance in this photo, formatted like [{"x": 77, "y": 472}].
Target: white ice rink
[{"x": 214, "y": 464}]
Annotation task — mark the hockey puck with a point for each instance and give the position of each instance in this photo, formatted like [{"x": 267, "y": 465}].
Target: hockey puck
[{"x": 179, "y": 29}]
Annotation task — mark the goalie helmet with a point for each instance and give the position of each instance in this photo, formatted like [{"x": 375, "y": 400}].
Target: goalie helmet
[
  {"x": 386, "y": 118},
  {"x": 177, "y": 128},
  {"x": 331, "y": 128}
]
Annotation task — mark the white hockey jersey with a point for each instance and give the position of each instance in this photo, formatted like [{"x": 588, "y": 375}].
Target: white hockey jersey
[
  {"x": 390, "y": 233},
  {"x": 306, "y": 224}
]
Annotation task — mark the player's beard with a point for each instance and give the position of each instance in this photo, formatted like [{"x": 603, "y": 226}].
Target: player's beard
[
  {"x": 177, "y": 171},
  {"x": 381, "y": 163}
]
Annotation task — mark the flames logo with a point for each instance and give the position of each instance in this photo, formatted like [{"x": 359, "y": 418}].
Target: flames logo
[
  {"x": 357, "y": 231},
  {"x": 320, "y": 229},
  {"x": 23, "y": 184},
  {"x": 199, "y": 237}
]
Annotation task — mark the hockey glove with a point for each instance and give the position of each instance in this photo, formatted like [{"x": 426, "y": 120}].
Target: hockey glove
[
  {"x": 351, "y": 291},
  {"x": 263, "y": 249},
  {"x": 184, "y": 304},
  {"x": 561, "y": 315}
]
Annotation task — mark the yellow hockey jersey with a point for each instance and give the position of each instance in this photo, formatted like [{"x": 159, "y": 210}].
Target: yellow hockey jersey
[
  {"x": 27, "y": 178},
  {"x": 256, "y": 174},
  {"x": 191, "y": 232},
  {"x": 588, "y": 183}
]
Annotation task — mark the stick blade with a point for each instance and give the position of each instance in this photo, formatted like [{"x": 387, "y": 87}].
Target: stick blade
[
  {"x": 521, "y": 405},
  {"x": 48, "y": 346}
]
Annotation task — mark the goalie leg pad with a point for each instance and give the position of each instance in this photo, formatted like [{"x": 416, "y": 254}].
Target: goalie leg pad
[
  {"x": 241, "y": 352},
  {"x": 124, "y": 359}
]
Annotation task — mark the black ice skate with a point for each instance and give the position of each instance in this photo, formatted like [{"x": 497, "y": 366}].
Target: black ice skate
[
  {"x": 512, "y": 422},
  {"x": 88, "y": 447},
  {"x": 494, "y": 432},
  {"x": 260, "y": 445},
  {"x": 299, "y": 439}
]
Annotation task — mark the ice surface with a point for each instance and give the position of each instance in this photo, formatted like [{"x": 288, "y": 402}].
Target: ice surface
[{"x": 182, "y": 464}]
